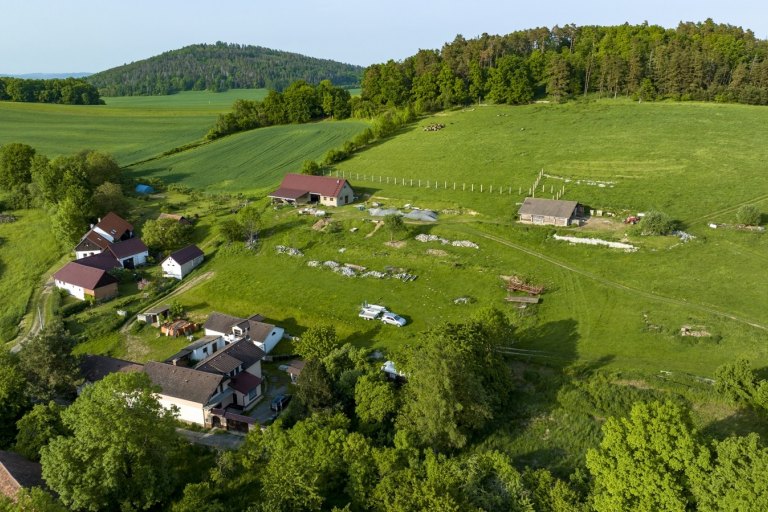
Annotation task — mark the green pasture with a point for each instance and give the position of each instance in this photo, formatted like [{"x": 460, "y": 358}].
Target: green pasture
[
  {"x": 252, "y": 160},
  {"x": 132, "y": 128},
  {"x": 27, "y": 248}
]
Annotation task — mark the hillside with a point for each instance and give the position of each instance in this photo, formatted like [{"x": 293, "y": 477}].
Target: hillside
[{"x": 219, "y": 67}]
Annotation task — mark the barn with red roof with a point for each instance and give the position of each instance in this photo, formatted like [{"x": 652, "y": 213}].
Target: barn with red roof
[{"x": 303, "y": 189}]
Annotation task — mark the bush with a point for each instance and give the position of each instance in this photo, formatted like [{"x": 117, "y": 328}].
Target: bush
[
  {"x": 656, "y": 223},
  {"x": 74, "y": 308},
  {"x": 749, "y": 215}
]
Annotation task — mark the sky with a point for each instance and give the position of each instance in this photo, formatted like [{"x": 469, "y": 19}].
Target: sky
[{"x": 68, "y": 36}]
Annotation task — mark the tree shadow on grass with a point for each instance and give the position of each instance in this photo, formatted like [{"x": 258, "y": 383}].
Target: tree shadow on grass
[{"x": 742, "y": 422}]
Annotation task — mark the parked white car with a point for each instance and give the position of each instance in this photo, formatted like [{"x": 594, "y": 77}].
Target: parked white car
[
  {"x": 393, "y": 319},
  {"x": 372, "y": 311}
]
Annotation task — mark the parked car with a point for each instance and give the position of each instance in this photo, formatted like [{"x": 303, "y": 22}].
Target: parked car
[
  {"x": 393, "y": 319},
  {"x": 280, "y": 402},
  {"x": 372, "y": 311}
]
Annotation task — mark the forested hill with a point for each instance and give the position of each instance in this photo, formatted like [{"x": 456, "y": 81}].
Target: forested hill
[
  {"x": 694, "y": 61},
  {"x": 219, "y": 67}
]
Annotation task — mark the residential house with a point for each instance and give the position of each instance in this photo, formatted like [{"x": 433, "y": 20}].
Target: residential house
[
  {"x": 302, "y": 188},
  {"x": 549, "y": 211},
  {"x": 227, "y": 381},
  {"x": 197, "y": 351},
  {"x": 181, "y": 262},
  {"x": 94, "y": 368},
  {"x": 114, "y": 228},
  {"x": 17, "y": 472},
  {"x": 231, "y": 328},
  {"x": 103, "y": 260},
  {"x": 84, "y": 282},
  {"x": 91, "y": 243}
]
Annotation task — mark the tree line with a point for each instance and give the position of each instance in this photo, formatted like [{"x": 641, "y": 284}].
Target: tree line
[
  {"x": 218, "y": 67},
  {"x": 301, "y": 102},
  {"x": 353, "y": 440},
  {"x": 67, "y": 91},
  {"x": 695, "y": 61}
]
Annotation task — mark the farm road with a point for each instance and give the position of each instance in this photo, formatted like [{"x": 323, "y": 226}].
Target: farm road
[{"x": 614, "y": 284}]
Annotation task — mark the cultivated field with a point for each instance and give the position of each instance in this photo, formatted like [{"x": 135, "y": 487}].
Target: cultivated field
[
  {"x": 250, "y": 161},
  {"x": 132, "y": 128}
]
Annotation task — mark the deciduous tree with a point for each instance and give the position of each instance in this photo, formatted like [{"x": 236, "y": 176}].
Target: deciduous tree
[
  {"x": 48, "y": 364},
  {"x": 121, "y": 455}
]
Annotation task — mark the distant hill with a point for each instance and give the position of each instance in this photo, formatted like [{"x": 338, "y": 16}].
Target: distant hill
[
  {"x": 219, "y": 67},
  {"x": 46, "y": 76}
]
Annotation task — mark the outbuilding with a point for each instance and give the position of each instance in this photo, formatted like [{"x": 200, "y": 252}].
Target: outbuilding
[
  {"x": 84, "y": 282},
  {"x": 302, "y": 189},
  {"x": 181, "y": 262},
  {"x": 549, "y": 212}
]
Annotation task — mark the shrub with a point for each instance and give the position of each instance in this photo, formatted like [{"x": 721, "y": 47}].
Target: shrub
[
  {"x": 74, "y": 308},
  {"x": 656, "y": 223},
  {"x": 749, "y": 215}
]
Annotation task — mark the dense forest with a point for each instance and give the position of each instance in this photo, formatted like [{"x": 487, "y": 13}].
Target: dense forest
[
  {"x": 696, "y": 61},
  {"x": 68, "y": 91},
  {"x": 219, "y": 67}
]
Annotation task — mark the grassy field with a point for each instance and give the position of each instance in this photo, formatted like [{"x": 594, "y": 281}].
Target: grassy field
[
  {"x": 250, "y": 161},
  {"x": 27, "y": 248},
  {"x": 625, "y": 310},
  {"x": 132, "y": 128}
]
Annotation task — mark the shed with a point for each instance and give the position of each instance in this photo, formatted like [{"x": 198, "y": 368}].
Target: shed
[
  {"x": 144, "y": 189},
  {"x": 548, "y": 211}
]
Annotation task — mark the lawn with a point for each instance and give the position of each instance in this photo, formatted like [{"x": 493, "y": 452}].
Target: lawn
[{"x": 131, "y": 128}]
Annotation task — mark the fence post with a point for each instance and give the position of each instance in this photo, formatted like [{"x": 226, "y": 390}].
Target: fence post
[
  {"x": 481, "y": 187},
  {"x": 473, "y": 187}
]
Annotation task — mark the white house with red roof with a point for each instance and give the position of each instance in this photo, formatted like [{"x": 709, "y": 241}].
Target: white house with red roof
[
  {"x": 83, "y": 281},
  {"x": 302, "y": 188},
  {"x": 114, "y": 228}
]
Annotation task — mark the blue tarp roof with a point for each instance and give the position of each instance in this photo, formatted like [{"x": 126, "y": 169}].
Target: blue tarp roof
[{"x": 144, "y": 189}]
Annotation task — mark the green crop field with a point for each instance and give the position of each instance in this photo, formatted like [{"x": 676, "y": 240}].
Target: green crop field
[
  {"x": 252, "y": 160},
  {"x": 132, "y": 128}
]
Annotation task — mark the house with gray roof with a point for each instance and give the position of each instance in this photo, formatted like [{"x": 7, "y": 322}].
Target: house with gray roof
[
  {"x": 549, "y": 211},
  {"x": 228, "y": 380},
  {"x": 232, "y": 328}
]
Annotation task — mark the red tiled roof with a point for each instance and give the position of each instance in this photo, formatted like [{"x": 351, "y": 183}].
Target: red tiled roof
[
  {"x": 115, "y": 225},
  {"x": 288, "y": 193},
  {"x": 84, "y": 276},
  {"x": 244, "y": 382},
  {"x": 322, "y": 185},
  {"x": 128, "y": 248}
]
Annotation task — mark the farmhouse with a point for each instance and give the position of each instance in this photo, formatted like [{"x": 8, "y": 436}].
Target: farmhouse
[
  {"x": 94, "y": 368},
  {"x": 84, "y": 282},
  {"x": 181, "y": 262},
  {"x": 114, "y": 228},
  {"x": 301, "y": 189},
  {"x": 231, "y": 328},
  {"x": 130, "y": 253},
  {"x": 549, "y": 211}
]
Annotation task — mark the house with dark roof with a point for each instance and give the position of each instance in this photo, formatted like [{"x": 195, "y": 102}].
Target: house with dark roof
[
  {"x": 130, "y": 253},
  {"x": 232, "y": 328},
  {"x": 229, "y": 380},
  {"x": 114, "y": 228},
  {"x": 181, "y": 262},
  {"x": 17, "y": 472},
  {"x": 94, "y": 368},
  {"x": 91, "y": 243},
  {"x": 84, "y": 282},
  {"x": 302, "y": 189},
  {"x": 103, "y": 260},
  {"x": 549, "y": 212}
]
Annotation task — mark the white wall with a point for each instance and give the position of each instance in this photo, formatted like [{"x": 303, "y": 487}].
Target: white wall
[
  {"x": 171, "y": 268},
  {"x": 188, "y": 411},
  {"x": 73, "y": 290},
  {"x": 271, "y": 340},
  {"x": 84, "y": 254},
  {"x": 104, "y": 234},
  {"x": 138, "y": 259}
]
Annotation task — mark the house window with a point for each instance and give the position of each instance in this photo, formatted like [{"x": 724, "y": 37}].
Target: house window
[{"x": 253, "y": 394}]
